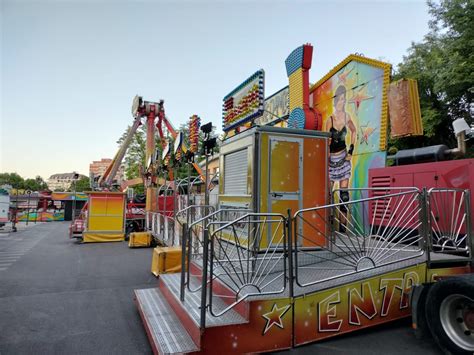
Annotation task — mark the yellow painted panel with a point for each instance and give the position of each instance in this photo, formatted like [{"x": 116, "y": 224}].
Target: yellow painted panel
[
  {"x": 296, "y": 89},
  {"x": 106, "y": 212},
  {"x": 115, "y": 205},
  {"x": 284, "y": 166},
  {"x": 282, "y": 206},
  {"x": 98, "y": 205},
  {"x": 275, "y": 236},
  {"x": 263, "y": 166},
  {"x": 105, "y": 223},
  {"x": 353, "y": 306},
  {"x": 235, "y": 199},
  {"x": 316, "y": 191},
  {"x": 102, "y": 237}
]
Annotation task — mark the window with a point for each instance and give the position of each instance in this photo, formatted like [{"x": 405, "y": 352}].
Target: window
[{"x": 235, "y": 173}]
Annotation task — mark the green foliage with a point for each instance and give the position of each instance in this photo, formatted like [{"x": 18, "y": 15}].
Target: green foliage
[
  {"x": 17, "y": 182},
  {"x": 83, "y": 184},
  {"x": 136, "y": 152},
  {"x": 13, "y": 179},
  {"x": 443, "y": 65}
]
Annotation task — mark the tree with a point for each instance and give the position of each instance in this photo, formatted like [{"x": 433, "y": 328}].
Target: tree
[
  {"x": 136, "y": 152},
  {"x": 83, "y": 184},
  {"x": 443, "y": 65},
  {"x": 36, "y": 184},
  {"x": 13, "y": 179}
]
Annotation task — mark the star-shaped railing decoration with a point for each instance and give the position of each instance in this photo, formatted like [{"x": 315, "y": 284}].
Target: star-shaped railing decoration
[{"x": 274, "y": 317}]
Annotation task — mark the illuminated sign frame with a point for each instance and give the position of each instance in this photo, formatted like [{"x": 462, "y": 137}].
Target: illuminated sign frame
[
  {"x": 277, "y": 108},
  {"x": 245, "y": 102}
]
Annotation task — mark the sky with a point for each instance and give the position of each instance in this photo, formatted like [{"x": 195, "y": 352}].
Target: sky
[{"x": 70, "y": 68}]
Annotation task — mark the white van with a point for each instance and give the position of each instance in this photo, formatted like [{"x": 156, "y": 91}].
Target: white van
[{"x": 4, "y": 208}]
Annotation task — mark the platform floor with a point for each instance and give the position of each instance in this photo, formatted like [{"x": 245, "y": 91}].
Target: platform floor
[{"x": 319, "y": 270}]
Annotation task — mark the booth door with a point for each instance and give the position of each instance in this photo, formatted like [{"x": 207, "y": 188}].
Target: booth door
[{"x": 285, "y": 175}]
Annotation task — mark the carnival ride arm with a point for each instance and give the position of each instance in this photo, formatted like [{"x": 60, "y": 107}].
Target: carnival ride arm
[{"x": 109, "y": 174}]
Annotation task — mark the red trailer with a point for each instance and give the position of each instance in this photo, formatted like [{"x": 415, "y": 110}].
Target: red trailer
[{"x": 456, "y": 175}]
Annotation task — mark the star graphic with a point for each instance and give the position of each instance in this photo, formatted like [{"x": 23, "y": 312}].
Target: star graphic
[
  {"x": 274, "y": 317},
  {"x": 345, "y": 73},
  {"x": 360, "y": 96},
  {"x": 365, "y": 133}
]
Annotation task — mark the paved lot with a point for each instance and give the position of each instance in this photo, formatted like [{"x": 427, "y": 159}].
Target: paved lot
[{"x": 59, "y": 297}]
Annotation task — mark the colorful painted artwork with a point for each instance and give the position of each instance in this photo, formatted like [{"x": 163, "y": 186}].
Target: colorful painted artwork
[
  {"x": 355, "y": 306},
  {"x": 46, "y": 216},
  {"x": 68, "y": 196},
  {"x": 273, "y": 324},
  {"x": 352, "y": 101},
  {"x": 276, "y": 108},
  {"x": 244, "y": 103}
]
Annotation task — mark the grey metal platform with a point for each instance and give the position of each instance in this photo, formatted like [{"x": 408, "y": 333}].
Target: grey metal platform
[
  {"x": 163, "y": 325},
  {"x": 325, "y": 273},
  {"x": 192, "y": 303}
]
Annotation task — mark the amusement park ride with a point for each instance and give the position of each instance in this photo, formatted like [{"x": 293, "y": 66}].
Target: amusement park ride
[
  {"x": 312, "y": 235},
  {"x": 110, "y": 217}
]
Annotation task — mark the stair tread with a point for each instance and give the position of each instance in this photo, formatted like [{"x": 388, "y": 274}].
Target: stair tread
[
  {"x": 164, "y": 326},
  {"x": 192, "y": 303}
]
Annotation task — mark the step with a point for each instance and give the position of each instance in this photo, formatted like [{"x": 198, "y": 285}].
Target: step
[
  {"x": 166, "y": 333},
  {"x": 221, "y": 289},
  {"x": 191, "y": 307},
  {"x": 226, "y": 288}
]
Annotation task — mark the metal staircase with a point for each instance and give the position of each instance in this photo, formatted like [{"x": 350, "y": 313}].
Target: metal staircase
[{"x": 243, "y": 272}]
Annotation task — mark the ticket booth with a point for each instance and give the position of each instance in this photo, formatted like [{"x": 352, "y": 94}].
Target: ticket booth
[{"x": 272, "y": 169}]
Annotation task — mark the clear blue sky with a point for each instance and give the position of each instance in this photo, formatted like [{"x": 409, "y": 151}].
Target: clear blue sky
[{"x": 70, "y": 68}]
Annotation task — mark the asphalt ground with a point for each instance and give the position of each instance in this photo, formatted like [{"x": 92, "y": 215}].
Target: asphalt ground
[{"x": 60, "y": 297}]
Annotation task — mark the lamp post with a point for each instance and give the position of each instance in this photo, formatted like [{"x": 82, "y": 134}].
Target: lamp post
[
  {"x": 74, "y": 179},
  {"x": 28, "y": 210},
  {"x": 208, "y": 146}
]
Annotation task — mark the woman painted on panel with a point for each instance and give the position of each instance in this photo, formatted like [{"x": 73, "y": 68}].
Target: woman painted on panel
[{"x": 339, "y": 124}]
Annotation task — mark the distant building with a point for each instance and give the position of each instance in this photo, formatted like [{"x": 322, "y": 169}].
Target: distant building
[
  {"x": 213, "y": 166},
  {"x": 62, "y": 182},
  {"x": 98, "y": 167}
]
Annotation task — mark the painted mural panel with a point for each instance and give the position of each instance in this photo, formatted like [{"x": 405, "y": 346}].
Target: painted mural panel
[
  {"x": 355, "y": 306},
  {"x": 45, "y": 216},
  {"x": 352, "y": 101}
]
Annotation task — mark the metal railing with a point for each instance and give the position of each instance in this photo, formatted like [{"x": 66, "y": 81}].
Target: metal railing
[
  {"x": 241, "y": 254},
  {"x": 248, "y": 256},
  {"x": 449, "y": 219},
  {"x": 348, "y": 237},
  {"x": 193, "y": 241},
  {"x": 162, "y": 227}
]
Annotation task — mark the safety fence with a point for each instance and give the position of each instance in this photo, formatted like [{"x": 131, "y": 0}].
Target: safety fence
[{"x": 238, "y": 254}]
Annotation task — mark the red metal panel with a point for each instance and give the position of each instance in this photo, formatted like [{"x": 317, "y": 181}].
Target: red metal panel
[{"x": 446, "y": 174}]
